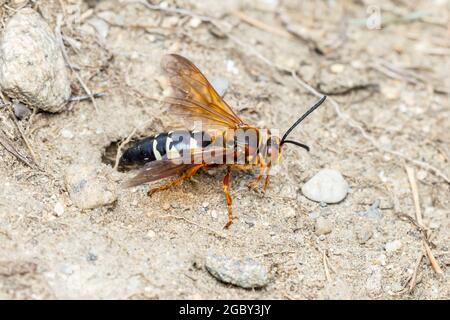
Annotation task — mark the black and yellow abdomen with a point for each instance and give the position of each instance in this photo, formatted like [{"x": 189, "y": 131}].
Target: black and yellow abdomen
[{"x": 164, "y": 146}]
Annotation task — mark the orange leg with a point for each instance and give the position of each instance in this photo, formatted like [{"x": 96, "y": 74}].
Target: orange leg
[
  {"x": 266, "y": 182},
  {"x": 254, "y": 183},
  {"x": 226, "y": 184},
  {"x": 186, "y": 175}
]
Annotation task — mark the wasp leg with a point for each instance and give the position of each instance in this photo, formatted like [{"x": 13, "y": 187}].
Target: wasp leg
[
  {"x": 254, "y": 183},
  {"x": 186, "y": 175},
  {"x": 226, "y": 184},
  {"x": 266, "y": 182}
]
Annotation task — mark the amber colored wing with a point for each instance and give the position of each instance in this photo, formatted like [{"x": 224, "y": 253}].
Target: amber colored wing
[
  {"x": 193, "y": 96},
  {"x": 160, "y": 169},
  {"x": 156, "y": 170}
]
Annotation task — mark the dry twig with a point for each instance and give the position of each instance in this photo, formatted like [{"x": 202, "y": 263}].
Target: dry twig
[
  {"x": 22, "y": 134},
  {"x": 87, "y": 97},
  {"x": 415, "y": 192},
  {"x": 325, "y": 265},
  {"x": 59, "y": 36},
  {"x": 425, "y": 237},
  {"x": 119, "y": 149},
  {"x": 272, "y": 253},
  {"x": 413, "y": 281},
  {"x": 9, "y": 146}
]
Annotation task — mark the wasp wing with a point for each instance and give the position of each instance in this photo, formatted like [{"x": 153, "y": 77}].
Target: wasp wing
[
  {"x": 156, "y": 170},
  {"x": 193, "y": 96},
  {"x": 160, "y": 169}
]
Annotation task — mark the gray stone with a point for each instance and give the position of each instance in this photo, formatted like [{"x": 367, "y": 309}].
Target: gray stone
[
  {"x": 88, "y": 188},
  {"x": 326, "y": 186},
  {"x": 246, "y": 273},
  {"x": 21, "y": 111},
  {"x": 32, "y": 68}
]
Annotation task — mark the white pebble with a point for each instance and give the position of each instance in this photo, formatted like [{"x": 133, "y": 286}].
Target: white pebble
[
  {"x": 67, "y": 134},
  {"x": 195, "y": 22},
  {"x": 231, "y": 67},
  {"x": 393, "y": 246},
  {"x": 327, "y": 185},
  {"x": 58, "y": 209},
  {"x": 150, "y": 234},
  {"x": 337, "y": 68}
]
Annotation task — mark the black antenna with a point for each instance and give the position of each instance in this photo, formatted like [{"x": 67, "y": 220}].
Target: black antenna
[
  {"x": 307, "y": 113},
  {"x": 304, "y": 146}
]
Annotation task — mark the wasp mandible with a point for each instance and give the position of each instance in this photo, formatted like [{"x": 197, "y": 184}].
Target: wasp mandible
[{"x": 225, "y": 140}]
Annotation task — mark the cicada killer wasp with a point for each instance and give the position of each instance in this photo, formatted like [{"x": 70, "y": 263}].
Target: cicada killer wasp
[{"x": 225, "y": 141}]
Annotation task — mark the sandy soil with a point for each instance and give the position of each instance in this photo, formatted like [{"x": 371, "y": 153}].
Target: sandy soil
[{"x": 392, "y": 89}]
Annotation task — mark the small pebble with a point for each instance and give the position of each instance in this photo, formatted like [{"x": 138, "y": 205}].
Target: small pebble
[
  {"x": 88, "y": 188},
  {"x": 390, "y": 92},
  {"x": 21, "y": 111},
  {"x": 67, "y": 134},
  {"x": 150, "y": 234},
  {"x": 326, "y": 186},
  {"x": 91, "y": 257},
  {"x": 246, "y": 273},
  {"x": 337, "y": 68},
  {"x": 231, "y": 67},
  {"x": 250, "y": 222},
  {"x": 195, "y": 22},
  {"x": 67, "y": 270},
  {"x": 58, "y": 209},
  {"x": 323, "y": 226},
  {"x": 214, "y": 214},
  {"x": 381, "y": 259},
  {"x": 166, "y": 206},
  {"x": 393, "y": 246}
]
